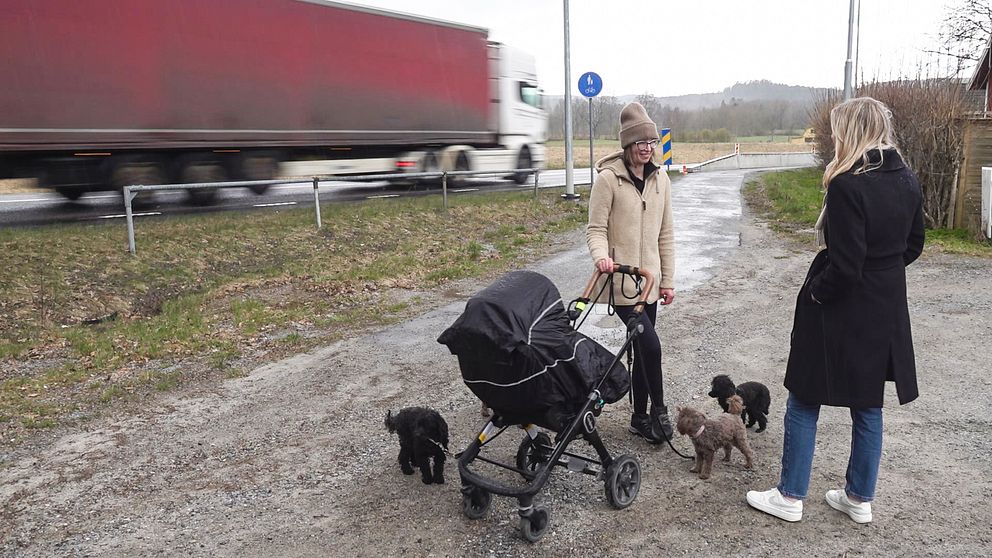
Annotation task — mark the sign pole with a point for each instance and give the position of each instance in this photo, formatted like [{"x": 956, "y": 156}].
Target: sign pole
[
  {"x": 591, "y": 171},
  {"x": 590, "y": 84},
  {"x": 666, "y": 148}
]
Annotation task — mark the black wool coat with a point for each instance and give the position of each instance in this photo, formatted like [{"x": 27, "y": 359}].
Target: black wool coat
[{"x": 851, "y": 332}]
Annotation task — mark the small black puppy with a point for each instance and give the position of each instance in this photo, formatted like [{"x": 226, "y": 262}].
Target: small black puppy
[
  {"x": 755, "y": 395},
  {"x": 423, "y": 435}
]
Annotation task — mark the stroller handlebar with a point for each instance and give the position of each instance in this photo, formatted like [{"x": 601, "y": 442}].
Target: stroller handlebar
[{"x": 628, "y": 270}]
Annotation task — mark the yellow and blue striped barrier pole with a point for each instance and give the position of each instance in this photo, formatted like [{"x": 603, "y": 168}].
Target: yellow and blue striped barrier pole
[{"x": 666, "y": 148}]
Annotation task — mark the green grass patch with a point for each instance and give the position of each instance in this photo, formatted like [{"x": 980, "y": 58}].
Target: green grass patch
[
  {"x": 791, "y": 200},
  {"x": 793, "y": 196},
  {"x": 39, "y": 422},
  {"x": 112, "y": 392},
  {"x": 959, "y": 241},
  {"x": 474, "y": 250},
  {"x": 207, "y": 291},
  {"x": 164, "y": 381}
]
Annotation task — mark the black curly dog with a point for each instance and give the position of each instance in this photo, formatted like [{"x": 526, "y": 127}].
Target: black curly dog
[
  {"x": 423, "y": 435},
  {"x": 755, "y": 395}
]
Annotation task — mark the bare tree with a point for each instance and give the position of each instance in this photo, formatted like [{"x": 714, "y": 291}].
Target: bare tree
[
  {"x": 606, "y": 117},
  {"x": 965, "y": 30},
  {"x": 927, "y": 114}
]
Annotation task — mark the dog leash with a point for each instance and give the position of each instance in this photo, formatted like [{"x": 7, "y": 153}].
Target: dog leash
[
  {"x": 444, "y": 449},
  {"x": 677, "y": 452}
]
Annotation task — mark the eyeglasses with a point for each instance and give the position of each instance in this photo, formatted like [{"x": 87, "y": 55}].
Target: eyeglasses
[{"x": 646, "y": 144}]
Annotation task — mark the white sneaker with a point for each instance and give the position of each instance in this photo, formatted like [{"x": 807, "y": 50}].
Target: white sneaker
[
  {"x": 859, "y": 512},
  {"x": 772, "y": 502}
]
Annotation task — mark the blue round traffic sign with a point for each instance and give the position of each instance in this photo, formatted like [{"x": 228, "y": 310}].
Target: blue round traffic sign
[{"x": 590, "y": 84}]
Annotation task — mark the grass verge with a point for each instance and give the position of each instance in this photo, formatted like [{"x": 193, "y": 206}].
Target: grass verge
[
  {"x": 791, "y": 200},
  {"x": 84, "y": 325}
]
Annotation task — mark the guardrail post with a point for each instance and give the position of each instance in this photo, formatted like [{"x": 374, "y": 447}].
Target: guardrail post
[
  {"x": 316, "y": 199},
  {"x": 537, "y": 175},
  {"x": 128, "y": 196},
  {"x": 444, "y": 188}
]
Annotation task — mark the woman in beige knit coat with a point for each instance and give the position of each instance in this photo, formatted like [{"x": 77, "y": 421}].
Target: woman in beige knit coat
[{"x": 630, "y": 223}]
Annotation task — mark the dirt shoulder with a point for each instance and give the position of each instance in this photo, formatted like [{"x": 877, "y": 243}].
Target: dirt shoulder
[{"x": 293, "y": 460}]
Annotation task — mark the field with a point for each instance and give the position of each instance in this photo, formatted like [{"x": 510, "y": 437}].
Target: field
[
  {"x": 84, "y": 325},
  {"x": 18, "y": 186},
  {"x": 681, "y": 152}
]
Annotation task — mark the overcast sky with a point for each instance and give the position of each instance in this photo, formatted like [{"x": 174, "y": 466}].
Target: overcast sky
[{"x": 675, "y": 47}]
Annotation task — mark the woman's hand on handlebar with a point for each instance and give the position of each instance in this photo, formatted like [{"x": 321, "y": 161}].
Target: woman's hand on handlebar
[
  {"x": 605, "y": 265},
  {"x": 666, "y": 296}
]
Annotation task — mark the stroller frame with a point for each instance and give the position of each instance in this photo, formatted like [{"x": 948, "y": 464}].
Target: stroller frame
[{"x": 537, "y": 455}]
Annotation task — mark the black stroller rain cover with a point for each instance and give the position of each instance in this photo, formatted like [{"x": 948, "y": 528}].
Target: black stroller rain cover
[{"x": 519, "y": 354}]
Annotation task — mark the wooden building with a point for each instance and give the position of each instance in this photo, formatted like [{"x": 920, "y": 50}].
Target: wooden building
[{"x": 977, "y": 149}]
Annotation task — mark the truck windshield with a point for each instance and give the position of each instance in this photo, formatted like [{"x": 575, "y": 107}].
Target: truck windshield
[{"x": 530, "y": 94}]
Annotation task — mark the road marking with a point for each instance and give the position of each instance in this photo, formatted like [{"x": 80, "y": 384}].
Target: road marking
[
  {"x": 273, "y": 204},
  {"x": 455, "y": 191},
  {"x": 382, "y": 196},
  {"x": 54, "y": 199},
  {"x": 132, "y": 215}
]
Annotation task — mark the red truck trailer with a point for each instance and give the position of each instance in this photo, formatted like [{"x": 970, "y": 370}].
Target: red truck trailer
[{"x": 101, "y": 94}]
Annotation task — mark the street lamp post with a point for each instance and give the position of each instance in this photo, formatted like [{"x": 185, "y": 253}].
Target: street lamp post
[
  {"x": 849, "y": 63},
  {"x": 569, "y": 181}
]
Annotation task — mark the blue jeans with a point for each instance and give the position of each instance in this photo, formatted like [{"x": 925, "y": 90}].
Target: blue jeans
[{"x": 800, "y": 441}]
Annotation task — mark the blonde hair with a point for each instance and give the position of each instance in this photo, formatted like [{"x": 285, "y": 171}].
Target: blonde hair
[{"x": 858, "y": 126}]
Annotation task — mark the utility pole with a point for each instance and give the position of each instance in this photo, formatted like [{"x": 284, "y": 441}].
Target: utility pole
[
  {"x": 852, "y": 31},
  {"x": 569, "y": 181}
]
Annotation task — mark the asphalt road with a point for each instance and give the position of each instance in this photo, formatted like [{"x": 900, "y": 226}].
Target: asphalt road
[{"x": 43, "y": 207}]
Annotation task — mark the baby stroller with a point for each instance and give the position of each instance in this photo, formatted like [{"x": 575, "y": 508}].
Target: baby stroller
[{"x": 519, "y": 352}]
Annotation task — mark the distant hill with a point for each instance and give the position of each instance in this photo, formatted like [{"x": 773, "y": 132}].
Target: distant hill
[
  {"x": 761, "y": 90},
  {"x": 746, "y": 109}
]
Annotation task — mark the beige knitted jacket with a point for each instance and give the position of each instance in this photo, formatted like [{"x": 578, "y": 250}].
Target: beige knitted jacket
[{"x": 633, "y": 228}]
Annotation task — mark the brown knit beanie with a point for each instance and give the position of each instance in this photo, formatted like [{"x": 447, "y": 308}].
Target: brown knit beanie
[{"x": 635, "y": 125}]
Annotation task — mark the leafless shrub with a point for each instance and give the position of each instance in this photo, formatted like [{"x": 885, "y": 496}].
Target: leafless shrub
[{"x": 928, "y": 117}]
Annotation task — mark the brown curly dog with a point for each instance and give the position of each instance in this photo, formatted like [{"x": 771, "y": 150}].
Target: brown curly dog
[{"x": 709, "y": 435}]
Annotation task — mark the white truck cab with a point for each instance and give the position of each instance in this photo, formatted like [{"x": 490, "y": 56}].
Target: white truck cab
[{"x": 518, "y": 122}]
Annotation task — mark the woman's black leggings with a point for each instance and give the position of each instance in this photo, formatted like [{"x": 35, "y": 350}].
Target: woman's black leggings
[{"x": 647, "y": 359}]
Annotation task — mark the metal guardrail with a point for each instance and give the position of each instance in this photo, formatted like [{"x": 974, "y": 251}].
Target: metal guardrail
[
  {"x": 131, "y": 191},
  {"x": 756, "y": 160}
]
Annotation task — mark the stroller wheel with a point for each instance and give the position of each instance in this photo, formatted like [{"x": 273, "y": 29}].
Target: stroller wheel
[
  {"x": 535, "y": 525},
  {"x": 475, "y": 502},
  {"x": 623, "y": 481},
  {"x": 534, "y": 452}
]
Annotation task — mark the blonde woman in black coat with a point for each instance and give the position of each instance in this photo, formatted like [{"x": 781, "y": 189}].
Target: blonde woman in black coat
[{"x": 852, "y": 333}]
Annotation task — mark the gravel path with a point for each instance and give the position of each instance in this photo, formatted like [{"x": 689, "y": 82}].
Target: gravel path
[{"x": 293, "y": 460}]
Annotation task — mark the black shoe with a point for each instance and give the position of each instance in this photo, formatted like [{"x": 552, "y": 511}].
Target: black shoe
[
  {"x": 660, "y": 422},
  {"x": 640, "y": 424}
]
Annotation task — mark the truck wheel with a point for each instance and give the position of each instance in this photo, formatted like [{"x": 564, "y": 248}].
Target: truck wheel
[
  {"x": 461, "y": 164},
  {"x": 524, "y": 161},
  {"x": 130, "y": 172},
  {"x": 199, "y": 172},
  {"x": 70, "y": 193},
  {"x": 430, "y": 164},
  {"x": 260, "y": 166}
]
